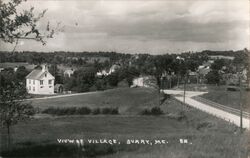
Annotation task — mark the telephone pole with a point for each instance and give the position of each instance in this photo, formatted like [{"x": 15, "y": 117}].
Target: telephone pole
[
  {"x": 185, "y": 82},
  {"x": 241, "y": 106}
]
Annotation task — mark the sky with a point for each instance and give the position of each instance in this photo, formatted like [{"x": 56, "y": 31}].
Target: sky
[{"x": 144, "y": 26}]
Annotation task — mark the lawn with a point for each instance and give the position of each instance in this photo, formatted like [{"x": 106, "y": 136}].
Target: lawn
[
  {"x": 220, "y": 95},
  {"x": 17, "y": 64},
  {"x": 228, "y": 98},
  {"x": 128, "y": 100},
  {"x": 210, "y": 136}
]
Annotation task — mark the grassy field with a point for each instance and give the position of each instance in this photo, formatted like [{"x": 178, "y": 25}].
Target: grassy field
[
  {"x": 129, "y": 101},
  {"x": 228, "y": 98},
  {"x": 210, "y": 136},
  {"x": 220, "y": 95},
  {"x": 16, "y": 64}
]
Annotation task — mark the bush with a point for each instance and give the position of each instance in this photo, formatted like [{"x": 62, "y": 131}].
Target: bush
[
  {"x": 232, "y": 89},
  {"x": 83, "y": 111},
  {"x": 152, "y": 111},
  {"x": 96, "y": 111},
  {"x": 203, "y": 125},
  {"x": 146, "y": 112},
  {"x": 156, "y": 111},
  {"x": 112, "y": 111},
  {"x": 80, "y": 111},
  {"x": 177, "y": 116}
]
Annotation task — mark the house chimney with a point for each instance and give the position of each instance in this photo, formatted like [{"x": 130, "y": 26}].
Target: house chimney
[{"x": 44, "y": 68}]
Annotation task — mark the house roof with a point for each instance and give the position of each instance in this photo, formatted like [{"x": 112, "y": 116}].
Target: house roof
[
  {"x": 69, "y": 71},
  {"x": 204, "y": 71},
  {"x": 37, "y": 74}
]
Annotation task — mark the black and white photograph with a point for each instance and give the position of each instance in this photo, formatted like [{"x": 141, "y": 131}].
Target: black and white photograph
[{"x": 124, "y": 78}]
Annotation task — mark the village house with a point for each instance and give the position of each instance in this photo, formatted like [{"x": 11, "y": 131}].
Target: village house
[
  {"x": 40, "y": 81},
  {"x": 144, "y": 81},
  {"x": 68, "y": 72},
  {"x": 112, "y": 69}
]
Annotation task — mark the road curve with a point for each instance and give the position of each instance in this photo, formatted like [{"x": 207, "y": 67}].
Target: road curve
[{"x": 218, "y": 111}]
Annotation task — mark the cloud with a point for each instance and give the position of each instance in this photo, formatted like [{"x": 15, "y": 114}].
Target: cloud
[{"x": 151, "y": 26}]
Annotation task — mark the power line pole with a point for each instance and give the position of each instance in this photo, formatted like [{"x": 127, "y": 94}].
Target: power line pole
[
  {"x": 241, "y": 110},
  {"x": 184, "y": 96}
]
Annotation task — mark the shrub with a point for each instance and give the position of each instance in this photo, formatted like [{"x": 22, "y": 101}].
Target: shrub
[
  {"x": 112, "y": 111},
  {"x": 50, "y": 110},
  {"x": 156, "y": 111},
  {"x": 152, "y": 111},
  {"x": 80, "y": 111},
  {"x": 146, "y": 112},
  {"x": 83, "y": 111},
  {"x": 96, "y": 111},
  {"x": 203, "y": 125},
  {"x": 177, "y": 116}
]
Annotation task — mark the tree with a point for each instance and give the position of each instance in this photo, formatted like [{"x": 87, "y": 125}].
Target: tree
[
  {"x": 21, "y": 73},
  {"x": 16, "y": 25},
  {"x": 55, "y": 72},
  {"x": 213, "y": 77},
  {"x": 12, "y": 107}
]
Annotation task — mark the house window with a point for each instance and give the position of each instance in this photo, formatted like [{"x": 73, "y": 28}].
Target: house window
[
  {"x": 34, "y": 89},
  {"x": 29, "y": 81},
  {"x": 33, "y": 81},
  {"x": 45, "y": 74},
  {"x": 41, "y": 82},
  {"x": 29, "y": 88},
  {"x": 50, "y": 81}
]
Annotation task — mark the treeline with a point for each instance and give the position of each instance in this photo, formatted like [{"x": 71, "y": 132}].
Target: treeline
[
  {"x": 67, "y": 58},
  {"x": 85, "y": 79},
  {"x": 131, "y": 66},
  {"x": 80, "y": 58}
]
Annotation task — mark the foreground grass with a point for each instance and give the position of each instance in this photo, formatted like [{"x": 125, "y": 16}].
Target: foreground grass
[{"x": 210, "y": 136}]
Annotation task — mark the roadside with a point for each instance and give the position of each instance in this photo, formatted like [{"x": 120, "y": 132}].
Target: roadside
[{"x": 218, "y": 112}]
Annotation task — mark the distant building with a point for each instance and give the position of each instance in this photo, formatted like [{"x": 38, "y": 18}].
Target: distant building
[
  {"x": 102, "y": 73},
  {"x": 15, "y": 69},
  {"x": 214, "y": 57},
  {"x": 68, "y": 72},
  {"x": 114, "y": 68},
  {"x": 40, "y": 81},
  {"x": 144, "y": 81}
]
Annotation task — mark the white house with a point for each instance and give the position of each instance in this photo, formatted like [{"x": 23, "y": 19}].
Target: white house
[
  {"x": 68, "y": 72},
  {"x": 40, "y": 81},
  {"x": 113, "y": 68},
  {"x": 144, "y": 81}
]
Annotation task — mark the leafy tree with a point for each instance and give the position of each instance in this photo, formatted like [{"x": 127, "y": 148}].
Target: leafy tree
[
  {"x": 81, "y": 80},
  {"x": 16, "y": 25},
  {"x": 21, "y": 73},
  {"x": 55, "y": 72},
  {"x": 213, "y": 77},
  {"x": 12, "y": 107},
  {"x": 218, "y": 64},
  {"x": 113, "y": 79}
]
